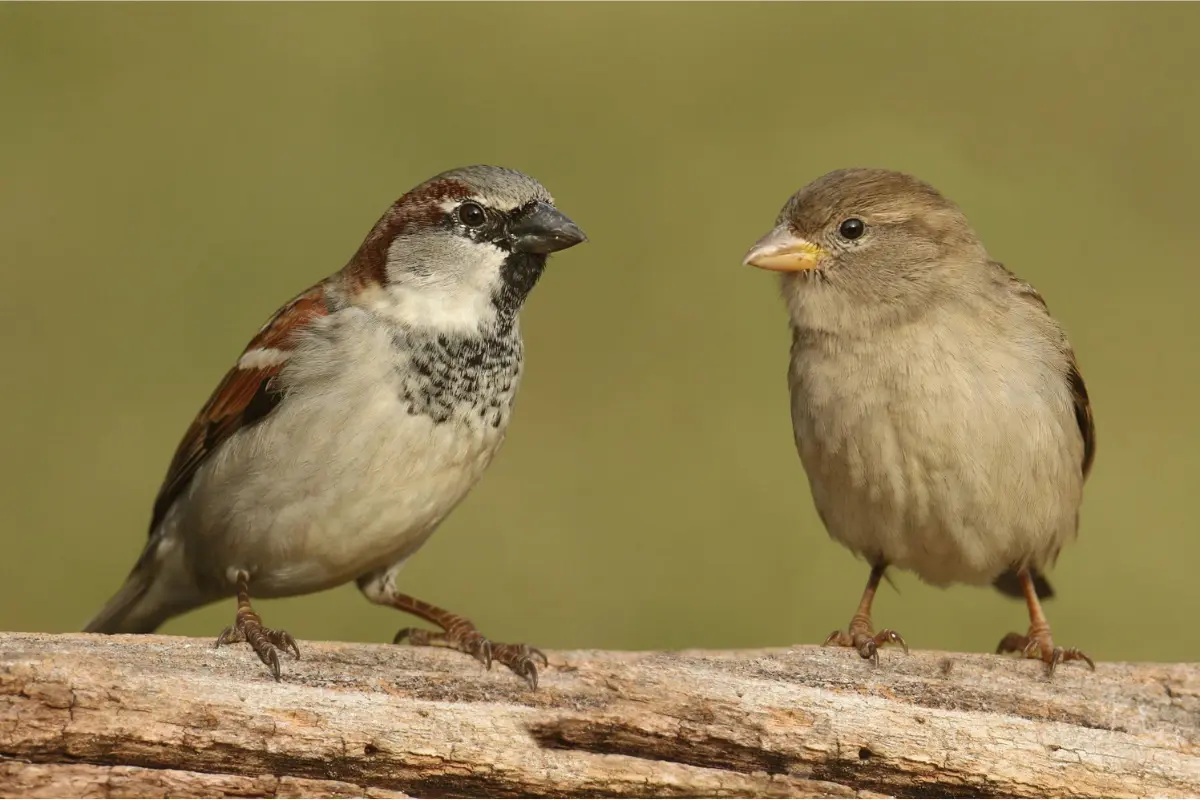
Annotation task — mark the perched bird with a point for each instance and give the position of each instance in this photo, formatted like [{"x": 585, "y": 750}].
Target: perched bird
[
  {"x": 937, "y": 406},
  {"x": 355, "y": 421}
]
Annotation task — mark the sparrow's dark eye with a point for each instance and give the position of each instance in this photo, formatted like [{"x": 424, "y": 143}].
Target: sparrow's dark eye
[
  {"x": 471, "y": 215},
  {"x": 852, "y": 228}
]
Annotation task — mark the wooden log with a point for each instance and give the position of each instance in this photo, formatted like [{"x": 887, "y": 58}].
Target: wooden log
[{"x": 145, "y": 716}]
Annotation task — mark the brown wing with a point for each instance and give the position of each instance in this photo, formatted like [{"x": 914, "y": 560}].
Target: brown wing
[
  {"x": 1079, "y": 395},
  {"x": 245, "y": 395},
  {"x": 1083, "y": 416},
  {"x": 1009, "y": 583}
]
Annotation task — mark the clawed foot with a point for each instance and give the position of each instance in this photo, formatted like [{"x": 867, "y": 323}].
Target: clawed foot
[
  {"x": 266, "y": 642},
  {"x": 860, "y": 639},
  {"x": 859, "y": 634},
  {"x": 465, "y": 638},
  {"x": 1039, "y": 644}
]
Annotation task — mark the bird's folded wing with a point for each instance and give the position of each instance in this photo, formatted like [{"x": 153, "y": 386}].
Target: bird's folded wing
[
  {"x": 245, "y": 395},
  {"x": 1079, "y": 395}
]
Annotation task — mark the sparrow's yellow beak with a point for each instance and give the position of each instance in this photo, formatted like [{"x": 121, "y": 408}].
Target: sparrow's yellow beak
[{"x": 783, "y": 251}]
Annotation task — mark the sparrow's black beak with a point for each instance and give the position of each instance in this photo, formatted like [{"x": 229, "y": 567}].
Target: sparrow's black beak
[{"x": 543, "y": 229}]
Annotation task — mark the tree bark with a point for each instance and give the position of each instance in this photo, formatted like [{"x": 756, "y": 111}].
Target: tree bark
[{"x": 144, "y": 716}]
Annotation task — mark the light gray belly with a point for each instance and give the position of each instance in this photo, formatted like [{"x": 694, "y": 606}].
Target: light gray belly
[
  {"x": 938, "y": 462},
  {"x": 309, "y": 499}
]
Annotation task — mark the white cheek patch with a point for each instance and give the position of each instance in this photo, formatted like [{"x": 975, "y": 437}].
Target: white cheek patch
[
  {"x": 454, "y": 287},
  {"x": 263, "y": 358}
]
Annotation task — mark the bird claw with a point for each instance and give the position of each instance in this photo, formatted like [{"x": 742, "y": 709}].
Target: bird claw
[
  {"x": 889, "y": 636},
  {"x": 866, "y": 644},
  {"x": 266, "y": 642},
  {"x": 520, "y": 658},
  {"x": 470, "y": 641},
  {"x": 230, "y": 635},
  {"x": 478, "y": 647},
  {"x": 1040, "y": 645},
  {"x": 270, "y": 657},
  {"x": 283, "y": 640}
]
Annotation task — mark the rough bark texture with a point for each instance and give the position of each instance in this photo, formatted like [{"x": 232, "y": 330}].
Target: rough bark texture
[{"x": 130, "y": 716}]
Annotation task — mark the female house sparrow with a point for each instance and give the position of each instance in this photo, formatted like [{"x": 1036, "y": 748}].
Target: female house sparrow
[
  {"x": 937, "y": 406},
  {"x": 356, "y": 420}
]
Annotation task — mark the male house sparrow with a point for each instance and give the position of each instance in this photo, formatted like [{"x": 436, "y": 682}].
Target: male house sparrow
[
  {"x": 937, "y": 406},
  {"x": 355, "y": 421}
]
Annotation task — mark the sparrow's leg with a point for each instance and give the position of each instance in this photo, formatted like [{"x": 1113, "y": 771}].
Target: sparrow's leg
[
  {"x": 1038, "y": 643},
  {"x": 247, "y": 627},
  {"x": 457, "y": 633},
  {"x": 859, "y": 634}
]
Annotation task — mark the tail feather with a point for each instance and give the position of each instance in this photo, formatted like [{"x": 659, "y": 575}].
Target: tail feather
[
  {"x": 125, "y": 612},
  {"x": 153, "y": 593},
  {"x": 1009, "y": 584}
]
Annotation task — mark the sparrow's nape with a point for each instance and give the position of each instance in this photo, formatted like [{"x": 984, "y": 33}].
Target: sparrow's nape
[
  {"x": 1038, "y": 643},
  {"x": 459, "y": 633},
  {"x": 859, "y": 635},
  {"x": 247, "y": 627}
]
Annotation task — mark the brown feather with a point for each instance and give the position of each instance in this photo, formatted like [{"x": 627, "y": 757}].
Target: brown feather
[
  {"x": 245, "y": 396},
  {"x": 1079, "y": 395},
  {"x": 1009, "y": 583},
  {"x": 1083, "y": 415}
]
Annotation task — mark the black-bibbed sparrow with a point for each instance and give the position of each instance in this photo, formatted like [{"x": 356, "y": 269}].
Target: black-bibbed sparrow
[
  {"x": 937, "y": 406},
  {"x": 356, "y": 420}
]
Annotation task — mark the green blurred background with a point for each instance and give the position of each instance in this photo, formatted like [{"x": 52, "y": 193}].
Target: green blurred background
[{"x": 170, "y": 174}]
